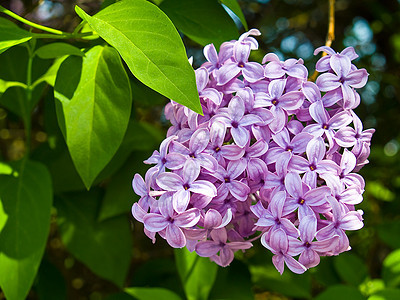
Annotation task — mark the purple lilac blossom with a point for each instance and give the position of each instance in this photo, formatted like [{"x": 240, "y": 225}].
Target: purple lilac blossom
[{"x": 274, "y": 157}]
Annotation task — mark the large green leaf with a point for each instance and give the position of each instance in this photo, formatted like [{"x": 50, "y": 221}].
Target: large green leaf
[
  {"x": 3, "y": 217},
  {"x": 105, "y": 247},
  {"x": 27, "y": 198},
  {"x": 94, "y": 108},
  {"x": 391, "y": 269},
  {"x": 204, "y": 21},
  {"x": 151, "y": 47},
  {"x": 11, "y": 35},
  {"x": 197, "y": 274},
  {"x": 55, "y": 50},
  {"x": 151, "y": 293}
]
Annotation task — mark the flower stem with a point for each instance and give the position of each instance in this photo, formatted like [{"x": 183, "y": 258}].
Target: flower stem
[
  {"x": 27, "y": 22},
  {"x": 330, "y": 35}
]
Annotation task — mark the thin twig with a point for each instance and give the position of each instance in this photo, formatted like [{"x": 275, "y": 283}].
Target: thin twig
[{"x": 331, "y": 33}]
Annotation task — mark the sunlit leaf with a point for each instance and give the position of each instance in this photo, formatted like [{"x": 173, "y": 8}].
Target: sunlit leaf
[
  {"x": 343, "y": 291},
  {"x": 151, "y": 47},
  {"x": 11, "y": 35},
  {"x": 27, "y": 200},
  {"x": 197, "y": 274},
  {"x": 94, "y": 108}
]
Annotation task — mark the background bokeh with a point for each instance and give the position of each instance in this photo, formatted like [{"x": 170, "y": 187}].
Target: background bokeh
[{"x": 289, "y": 28}]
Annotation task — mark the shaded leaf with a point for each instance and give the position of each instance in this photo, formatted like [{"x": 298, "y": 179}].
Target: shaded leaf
[
  {"x": 350, "y": 268},
  {"x": 55, "y": 50},
  {"x": 151, "y": 47},
  {"x": 11, "y": 35},
  {"x": 203, "y": 21},
  {"x": 151, "y": 293},
  {"x": 386, "y": 294},
  {"x": 27, "y": 200},
  {"x": 343, "y": 291},
  {"x": 197, "y": 273},
  {"x": 234, "y": 6},
  {"x": 105, "y": 247},
  {"x": 93, "y": 112},
  {"x": 389, "y": 232},
  {"x": 391, "y": 269},
  {"x": 50, "y": 282}
]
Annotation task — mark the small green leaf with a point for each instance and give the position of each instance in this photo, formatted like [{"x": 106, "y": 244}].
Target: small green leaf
[
  {"x": 386, "y": 294},
  {"x": 94, "y": 108},
  {"x": 151, "y": 47},
  {"x": 197, "y": 274},
  {"x": 55, "y": 50},
  {"x": 11, "y": 35},
  {"x": 151, "y": 293},
  {"x": 27, "y": 201},
  {"x": 343, "y": 292},
  {"x": 350, "y": 268},
  {"x": 51, "y": 74},
  {"x": 4, "y": 85},
  {"x": 391, "y": 269},
  {"x": 203, "y": 21},
  {"x": 105, "y": 247},
  {"x": 234, "y": 6},
  {"x": 388, "y": 231},
  {"x": 3, "y": 217}
]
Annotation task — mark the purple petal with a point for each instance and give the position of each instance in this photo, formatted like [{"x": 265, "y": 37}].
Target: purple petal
[
  {"x": 188, "y": 218},
  {"x": 210, "y": 53},
  {"x": 225, "y": 256},
  {"x": 274, "y": 70},
  {"x": 277, "y": 203},
  {"x": 207, "y": 248},
  {"x": 357, "y": 79},
  {"x": 232, "y": 152},
  {"x": 241, "y": 52},
  {"x": 191, "y": 171},
  {"x": 279, "y": 241},
  {"x": 282, "y": 138},
  {"x": 199, "y": 140},
  {"x": 154, "y": 222},
  {"x": 175, "y": 236},
  {"x": 279, "y": 262},
  {"x": 311, "y": 91},
  {"x": 139, "y": 185},
  {"x": 276, "y": 88},
  {"x": 137, "y": 212},
  {"x": 201, "y": 78},
  {"x": 309, "y": 258},
  {"x": 308, "y": 228},
  {"x": 239, "y": 190},
  {"x": 340, "y": 64},
  {"x": 328, "y": 82},
  {"x": 236, "y": 108},
  {"x": 340, "y": 120},
  {"x": 298, "y": 71},
  {"x": 318, "y": 113},
  {"x": 351, "y": 221},
  {"x": 240, "y": 135},
  {"x": 300, "y": 142},
  {"x": 203, "y": 187},
  {"x": 279, "y": 121},
  {"x": 298, "y": 164},
  {"x": 207, "y": 162},
  {"x": 316, "y": 150},
  {"x": 226, "y": 73},
  {"x": 323, "y": 64},
  {"x": 236, "y": 168},
  {"x": 170, "y": 181},
  {"x": 180, "y": 200},
  {"x": 345, "y": 137},
  {"x": 212, "y": 219},
  {"x": 253, "y": 72},
  {"x": 294, "y": 185},
  {"x": 294, "y": 265},
  {"x": 212, "y": 94},
  {"x": 316, "y": 197}
]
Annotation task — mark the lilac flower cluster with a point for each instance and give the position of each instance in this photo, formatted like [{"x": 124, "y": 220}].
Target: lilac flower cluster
[{"x": 273, "y": 157}]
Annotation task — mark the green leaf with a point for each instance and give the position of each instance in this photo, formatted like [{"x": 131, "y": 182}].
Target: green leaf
[
  {"x": 386, "y": 294},
  {"x": 27, "y": 201},
  {"x": 4, "y": 85},
  {"x": 265, "y": 276},
  {"x": 233, "y": 283},
  {"x": 50, "y": 282},
  {"x": 11, "y": 35},
  {"x": 343, "y": 292},
  {"x": 203, "y": 21},
  {"x": 3, "y": 217},
  {"x": 388, "y": 231},
  {"x": 105, "y": 247},
  {"x": 391, "y": 269},
  {"x": 350, "y": 268},
  {"x": 94, "y": 108},
  {"x": 234, "y": 6},
  {"x": 197, "y": 274},
  {"x": 151, "y": 47},
  {"x": 151, "y": 293},
  {"x": 51, "y": 74},
  {"x": 55, "y": 50}
]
